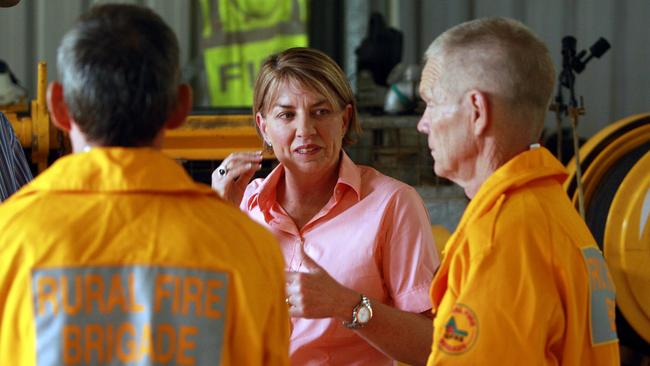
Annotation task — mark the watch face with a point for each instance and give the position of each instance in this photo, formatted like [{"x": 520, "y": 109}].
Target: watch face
[{"x": 363, "y": 315}]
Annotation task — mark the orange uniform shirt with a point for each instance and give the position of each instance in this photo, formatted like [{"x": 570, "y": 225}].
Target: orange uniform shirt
[
  {"x": 116, "y": 255},
  {"x": 522, "y": 281}
]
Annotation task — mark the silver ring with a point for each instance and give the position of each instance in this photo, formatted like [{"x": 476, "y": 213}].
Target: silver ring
[{"x": 222, "y": 171}]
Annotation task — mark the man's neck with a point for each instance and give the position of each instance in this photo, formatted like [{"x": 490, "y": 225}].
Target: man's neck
[
  {"x": 80, "y": 143},
  {"x": 492, "y": 158},
  {"x": 482, "y": 172}
]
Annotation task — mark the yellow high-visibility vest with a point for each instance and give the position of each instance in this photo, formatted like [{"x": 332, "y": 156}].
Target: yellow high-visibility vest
[{"x": 238, "y": 35}]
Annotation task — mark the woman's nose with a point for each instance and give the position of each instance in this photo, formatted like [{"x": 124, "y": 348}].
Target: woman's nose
[{"x": 305, "y": 125}]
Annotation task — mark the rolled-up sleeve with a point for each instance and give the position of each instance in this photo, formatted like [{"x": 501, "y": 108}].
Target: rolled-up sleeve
[{"x": 410, "y": 256}]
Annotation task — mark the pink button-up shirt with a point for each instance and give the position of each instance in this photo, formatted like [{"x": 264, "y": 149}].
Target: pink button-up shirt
[{"x": 373, "y": 236}]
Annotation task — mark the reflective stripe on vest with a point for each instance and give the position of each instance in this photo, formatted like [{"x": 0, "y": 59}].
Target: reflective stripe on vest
[{"x": 238, "y": 35}]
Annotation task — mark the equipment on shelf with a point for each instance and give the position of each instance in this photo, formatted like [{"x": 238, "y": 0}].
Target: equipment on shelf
[{"x": 32, "y": 124}]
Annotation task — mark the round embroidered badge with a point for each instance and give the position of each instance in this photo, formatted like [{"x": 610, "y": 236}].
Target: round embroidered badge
[{"x": 461, "y": 331}]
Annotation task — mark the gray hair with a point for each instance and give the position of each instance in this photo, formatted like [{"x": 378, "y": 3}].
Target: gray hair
[
  {"x": 119, "y": 67},
  {"x": 499, "y": 56}
]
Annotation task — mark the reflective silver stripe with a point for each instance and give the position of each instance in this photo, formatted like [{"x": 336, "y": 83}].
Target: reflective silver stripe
[
  {"x": 180, "y": 310},
  {"x": 14, "y": 170},
  {"x": 220, "y": 38}
]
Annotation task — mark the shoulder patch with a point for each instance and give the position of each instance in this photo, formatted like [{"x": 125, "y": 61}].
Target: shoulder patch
[
  {"x": 132, "y": 315},
  {"x": 602, "y": 296},
  {"x": 461, "y": 331}
]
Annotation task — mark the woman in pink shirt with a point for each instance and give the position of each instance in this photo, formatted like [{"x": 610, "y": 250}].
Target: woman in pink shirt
[{"x": 358, "y": 245}]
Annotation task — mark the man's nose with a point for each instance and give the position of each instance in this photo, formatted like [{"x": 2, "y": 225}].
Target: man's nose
[{"x": 423, "y": 124}]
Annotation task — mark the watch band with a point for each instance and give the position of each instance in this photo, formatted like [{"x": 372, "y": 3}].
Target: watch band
[{"x": 363, "y": 306}]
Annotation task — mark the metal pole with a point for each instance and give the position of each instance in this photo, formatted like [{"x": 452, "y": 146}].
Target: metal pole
[{"x": 575, "y": 112}]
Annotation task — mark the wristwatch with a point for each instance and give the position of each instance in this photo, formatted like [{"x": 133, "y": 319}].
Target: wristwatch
[{"x": 361, "y": 314}]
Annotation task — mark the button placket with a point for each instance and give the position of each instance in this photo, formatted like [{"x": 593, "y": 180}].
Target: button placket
[
  {"x": 300, "y": 247},
  {"x": 295, "y": 252}
]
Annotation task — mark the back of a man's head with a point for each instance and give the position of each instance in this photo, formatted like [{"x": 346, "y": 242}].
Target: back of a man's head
[
  {"x": 499, "y": 56},
  {"x": 119, "y": 67}
]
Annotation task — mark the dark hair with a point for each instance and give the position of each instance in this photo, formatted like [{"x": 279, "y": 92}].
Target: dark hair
[{"x": 119, "y": 67}]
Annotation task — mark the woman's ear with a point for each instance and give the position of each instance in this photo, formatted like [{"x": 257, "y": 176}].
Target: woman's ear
[
  {"x": 347, "y": 117},
  {"x": 260, "y": 122},
  {"x": 183, "y": 107},
  {"x": 57, "y": 107}
]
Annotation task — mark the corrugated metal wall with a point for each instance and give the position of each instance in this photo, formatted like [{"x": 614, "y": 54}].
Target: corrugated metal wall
[
  {"x": 32, "y": 31},
  {"x": 613, "y": 87}
]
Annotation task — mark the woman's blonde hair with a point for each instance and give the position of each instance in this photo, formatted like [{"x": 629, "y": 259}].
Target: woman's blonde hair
[{"x": 312, "y": 69}]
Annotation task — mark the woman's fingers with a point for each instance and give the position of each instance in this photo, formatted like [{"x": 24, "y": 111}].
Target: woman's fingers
[
  {"x": 235, "y": 160},
  {"x": 312, "y": 294},
  {"x": 229, "y": 180},
  {"x": 243, "y": 172},
  {"x": 235, "y": 164},
  {"x": 294, "y": 291}
]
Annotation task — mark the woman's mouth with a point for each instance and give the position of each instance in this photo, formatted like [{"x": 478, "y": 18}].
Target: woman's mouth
[{"x": 307, "y": 149}]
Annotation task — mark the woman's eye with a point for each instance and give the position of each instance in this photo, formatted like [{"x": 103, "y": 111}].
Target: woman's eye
[
  {"x": 285, "y": 115},
  {"x": 322, "y": 112}
]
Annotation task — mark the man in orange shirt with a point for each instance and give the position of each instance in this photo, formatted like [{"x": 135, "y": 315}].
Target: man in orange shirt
[
  {"x": 522, "y": 280},
  {"x": 114, "y": 255}
]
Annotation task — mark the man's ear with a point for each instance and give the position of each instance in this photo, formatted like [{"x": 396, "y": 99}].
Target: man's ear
[
  {"x": 480, "y": 111},
  {"x": 183, "y": 106},
  {"x": 261, "y": 126},
  {"x": 57, "y": 107}
]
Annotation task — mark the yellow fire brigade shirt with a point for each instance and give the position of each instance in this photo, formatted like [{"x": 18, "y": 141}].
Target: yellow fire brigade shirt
[
  {"x": 522, "y": 281},
  {"x": 116, "y": 256}
]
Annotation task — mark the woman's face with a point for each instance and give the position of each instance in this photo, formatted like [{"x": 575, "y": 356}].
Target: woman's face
[{"x": 305, "y": 130}]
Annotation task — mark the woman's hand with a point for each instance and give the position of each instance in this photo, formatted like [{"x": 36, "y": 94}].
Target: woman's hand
[
  {"x": 315, "y": 294},
  {"x": 401, "y": 335},
  {"x": 230, "y": 179}
]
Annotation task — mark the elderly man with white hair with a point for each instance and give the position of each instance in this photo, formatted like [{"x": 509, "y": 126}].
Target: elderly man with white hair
[{"x": 522, "y": 280}]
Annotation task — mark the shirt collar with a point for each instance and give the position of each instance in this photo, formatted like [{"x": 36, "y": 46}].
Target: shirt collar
[
  {"x": 264, "y": 195},
  {"x": 116, "y": 169},
  {"x": 534, "y": 164},
  {"x": 349, "y": 175}
]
